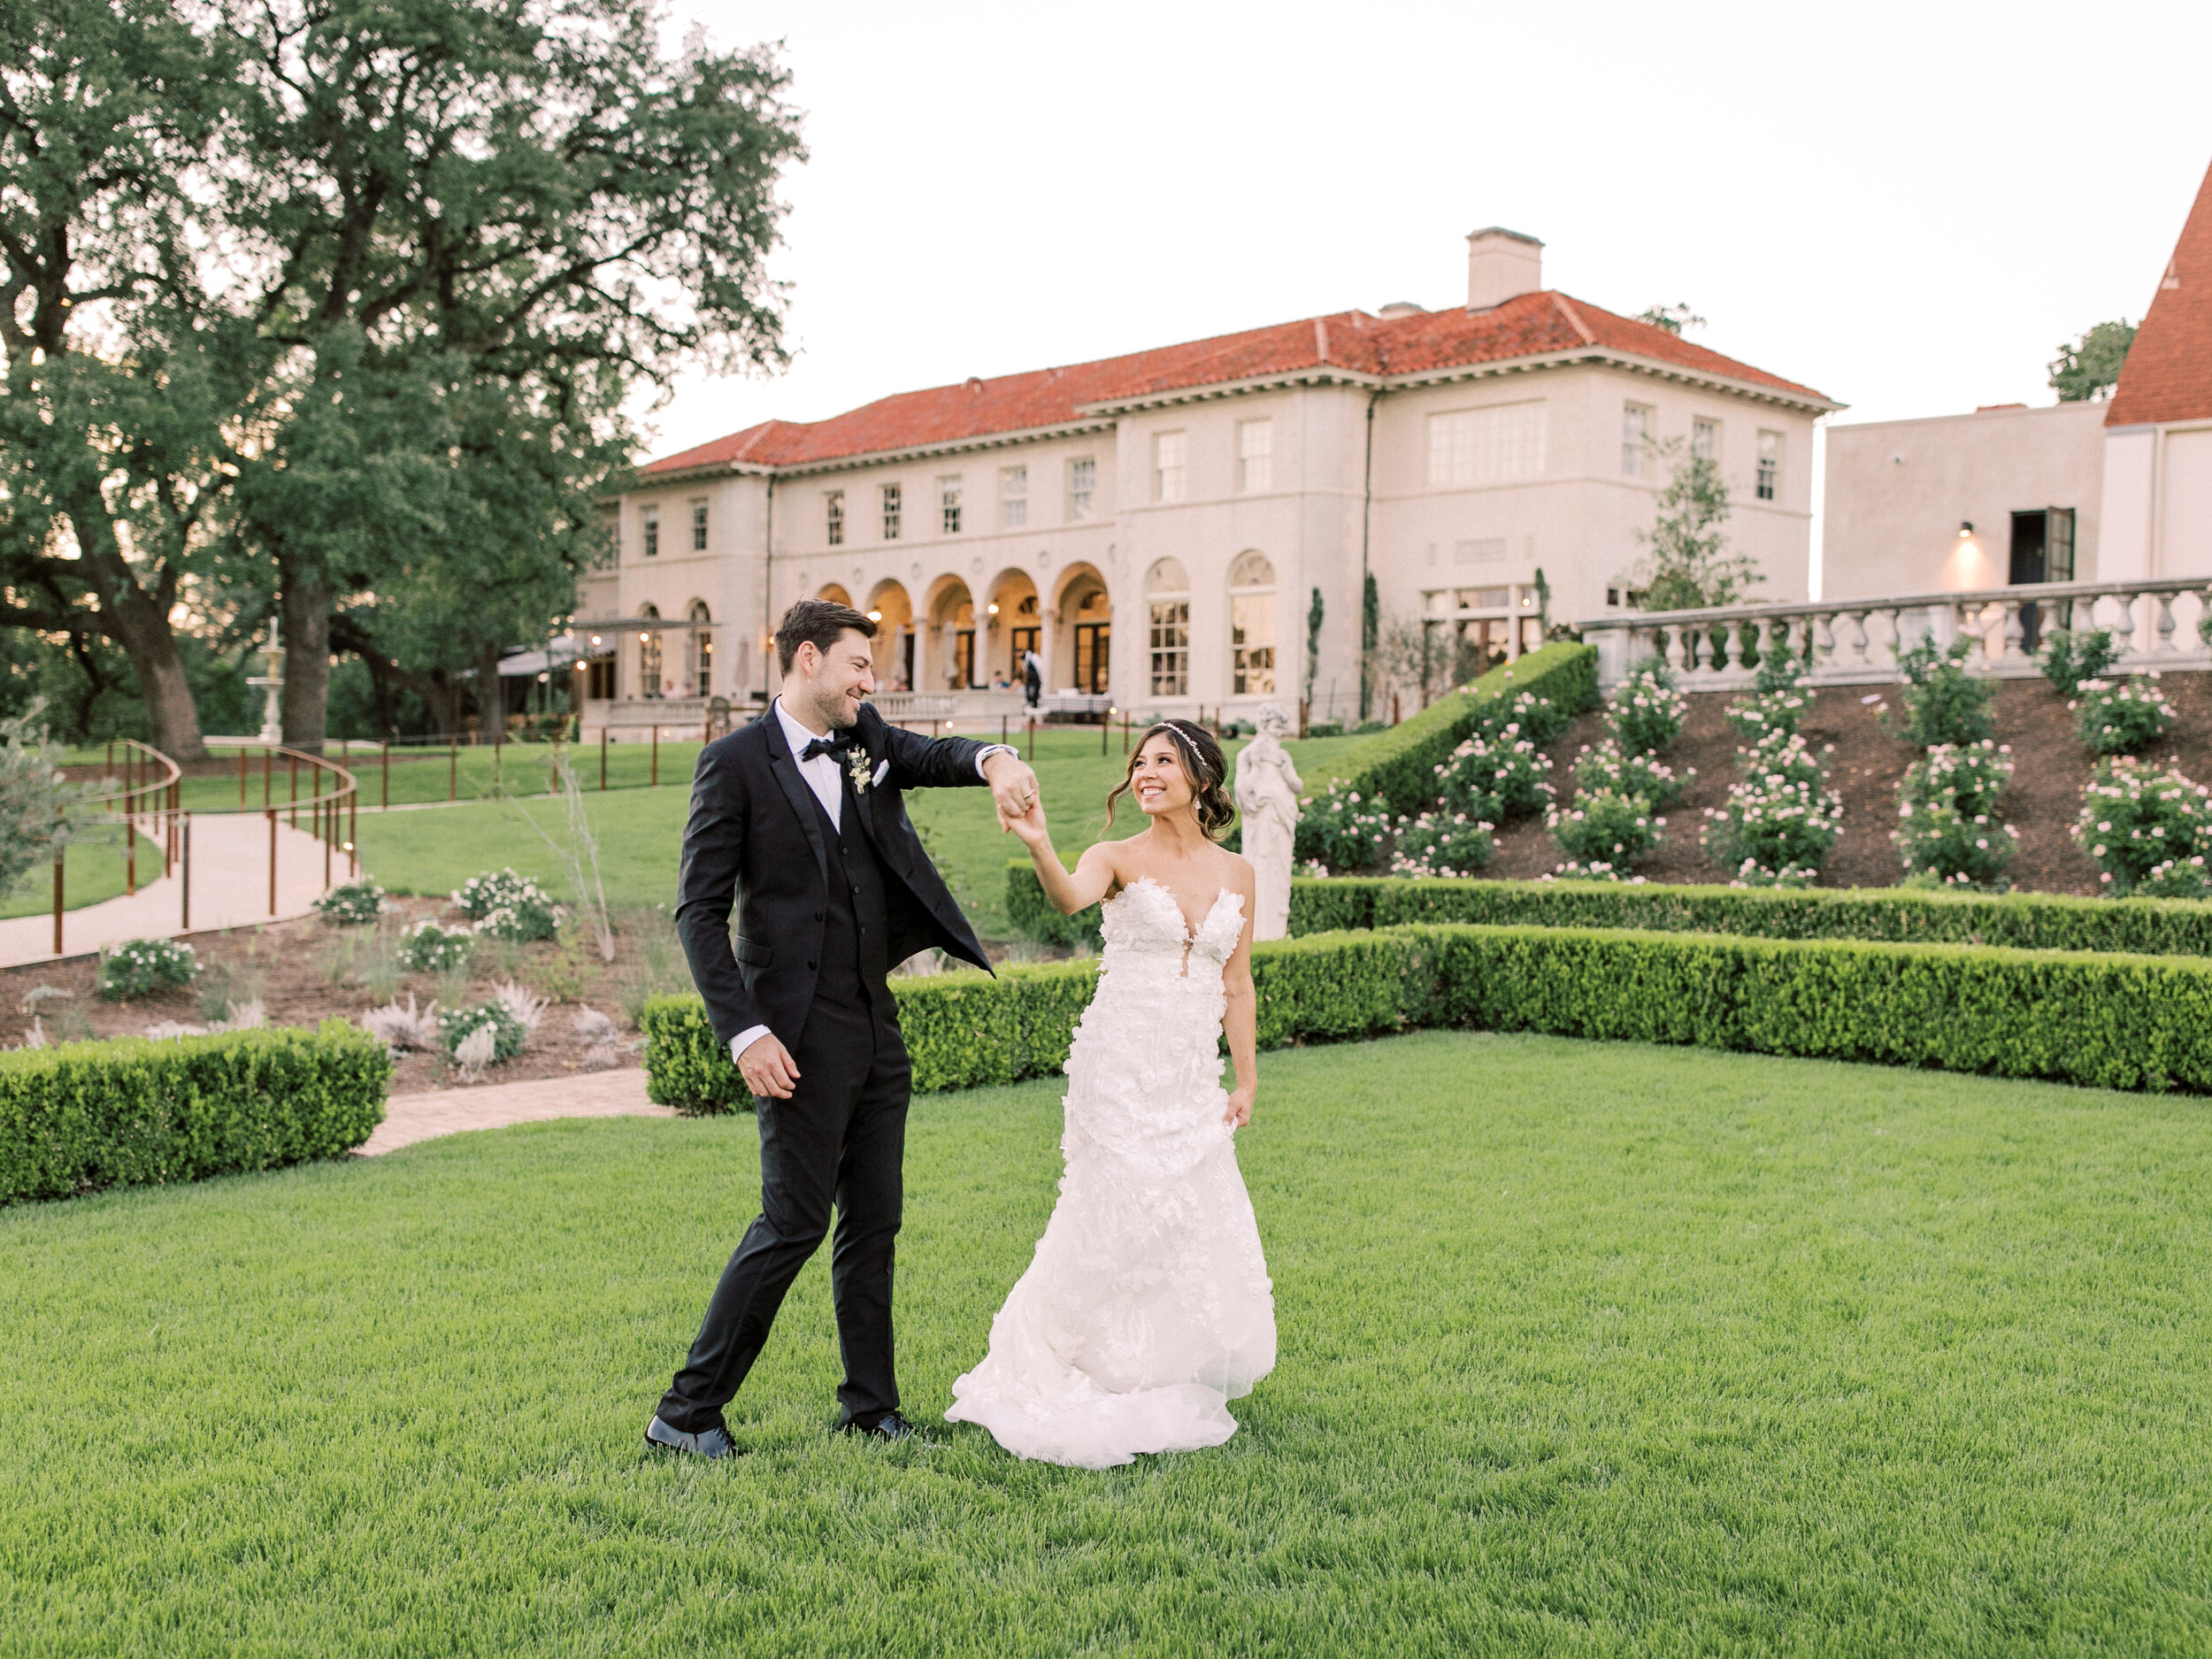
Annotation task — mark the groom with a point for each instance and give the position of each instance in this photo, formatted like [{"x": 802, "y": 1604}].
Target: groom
[{"x": 797, "y": 823}]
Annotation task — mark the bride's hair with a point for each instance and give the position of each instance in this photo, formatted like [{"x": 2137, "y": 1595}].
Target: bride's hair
[{"x": 1203, "y": 764}]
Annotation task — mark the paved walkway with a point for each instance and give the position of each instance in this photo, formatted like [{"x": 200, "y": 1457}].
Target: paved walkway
[
  {"x": 230, "y": 888},
  {"x": 411, "y": 1117}
]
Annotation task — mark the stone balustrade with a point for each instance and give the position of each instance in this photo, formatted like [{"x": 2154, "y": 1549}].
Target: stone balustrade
[{"x": 1854, "y": 641}]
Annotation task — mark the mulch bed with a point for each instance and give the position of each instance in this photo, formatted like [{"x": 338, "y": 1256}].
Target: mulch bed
[{"x": 2051, "y": 769}]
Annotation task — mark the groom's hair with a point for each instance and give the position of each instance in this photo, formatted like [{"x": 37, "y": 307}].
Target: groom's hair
[{"x": 817, "y": 622}]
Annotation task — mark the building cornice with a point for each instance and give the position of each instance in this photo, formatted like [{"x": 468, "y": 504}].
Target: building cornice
[{"x": 1319, "y": 374}]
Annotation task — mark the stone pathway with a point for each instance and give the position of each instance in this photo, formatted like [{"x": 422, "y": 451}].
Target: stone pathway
[
  {"x": 449, "y": 1111},
  {"x": 230, "y": 888}
]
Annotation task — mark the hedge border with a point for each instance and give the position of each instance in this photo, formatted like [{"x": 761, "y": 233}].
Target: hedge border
[
  {"x": 2095, "y": 1018},
  {"x": 141, "y": 1110},
  {"x": 2027, "y": 921}
]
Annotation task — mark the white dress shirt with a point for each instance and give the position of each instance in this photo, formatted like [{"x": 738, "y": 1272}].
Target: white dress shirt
[{"x": 822, "y": 776}]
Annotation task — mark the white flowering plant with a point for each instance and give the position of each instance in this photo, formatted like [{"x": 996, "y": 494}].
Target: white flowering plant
[
  {"x": 1523, "y": 715},
  {"x": 2148, "y": 832},
  {"x": 2120, "y": 716},
  {"x": 1442, "y": 843},
  {"x": 1777, "y": 827},
  {"x": 1969, "y": 776},
  {"x": 431, "y": 946},
  {"x": 1343, "y": 829},
  {"x": 140, "y": 967},
  {"x": 1607, "y": 765},
  {"x": 504, "y": 905},
  {"x": 1948, "y": 832},
  {"x": 1645, "y": 713},
  {"x": 352, "y": 905},
  {"x": 457, "y": 1025},
  {"x": 1602, "y": 827},
  {"x": 1762, "y": 716}
]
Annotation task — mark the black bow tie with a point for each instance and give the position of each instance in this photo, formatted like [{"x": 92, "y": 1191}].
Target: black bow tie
[{"x": 837, "y": 745}]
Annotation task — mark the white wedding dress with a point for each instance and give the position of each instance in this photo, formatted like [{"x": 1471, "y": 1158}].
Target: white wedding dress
[{"x": 1148, "y": 1306}]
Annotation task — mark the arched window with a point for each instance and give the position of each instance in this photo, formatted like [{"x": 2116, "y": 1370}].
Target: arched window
[
  {"x": 1167, "y": 599},
  {"x": 1252, "y": 625},
  {"x": 699, "y": 667},
  {"x": 648, "y": 653}
]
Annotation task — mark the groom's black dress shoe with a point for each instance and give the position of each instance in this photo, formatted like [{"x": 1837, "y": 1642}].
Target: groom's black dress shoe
[
  {"x": 890, "y": 1428},
  {"x": 706, "y": 1443}
]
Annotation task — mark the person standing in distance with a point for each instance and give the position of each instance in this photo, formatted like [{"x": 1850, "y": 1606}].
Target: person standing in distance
[{"x": 798, "y": 824}]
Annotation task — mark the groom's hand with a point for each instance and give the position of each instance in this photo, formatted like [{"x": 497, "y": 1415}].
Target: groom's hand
[
  {"x": 767, "y": 1068},
  {"x": 1013, "y": 786}
]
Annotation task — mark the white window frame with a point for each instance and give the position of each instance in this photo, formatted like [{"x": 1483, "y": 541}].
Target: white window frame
[
  {"x": 833, "y": 517},
  {"x": 1766, "y": 480},
  {"x": 1171, "y": 466},
  {"x": 1705, "y": 427},
  {"x": 699, "y": 524},
  {"x": 1491, "y": 443},
  {"x": 1256, "y": 457},
  {"x": 1013, "y": 497},
  {"x": 948, "y": 504},
  {"x": 1167, "y": 635},
  {"x": 1637, "y": 422},
  {"x": 892, "y": 501},
  {"x": 1239, "y": 670},
  {"x": 1082, "y": 487},
  {"x": 649, "y": 530}
]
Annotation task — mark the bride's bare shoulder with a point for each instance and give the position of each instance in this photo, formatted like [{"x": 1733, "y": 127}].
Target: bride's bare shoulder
[{"x": 1236, "y": 873}]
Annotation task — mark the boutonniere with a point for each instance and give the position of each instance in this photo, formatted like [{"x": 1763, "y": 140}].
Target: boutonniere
[{"x": 857, "y": 768}]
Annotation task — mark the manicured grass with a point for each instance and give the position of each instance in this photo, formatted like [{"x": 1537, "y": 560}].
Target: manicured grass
[
  {"x": 640, "y": 830},
  {"x": 91, "y": 870},
  {"x": 1585, "y": 1349}
]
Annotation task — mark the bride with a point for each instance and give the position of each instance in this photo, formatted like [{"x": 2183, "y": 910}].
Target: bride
[{"x": 1148, "y": 1306}]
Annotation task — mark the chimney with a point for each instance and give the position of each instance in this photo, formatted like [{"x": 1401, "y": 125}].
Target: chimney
[{"x": 1501, "y": 265}]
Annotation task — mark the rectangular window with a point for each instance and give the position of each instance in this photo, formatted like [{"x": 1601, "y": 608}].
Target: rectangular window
[
  {"x": 1256, "y": 456},
  {"x": 1082, "y": 480},
  {"x": 1705, "y": 440},
  {"x": 1770, "y": 465},
  {"x": 1635, "y": 440},
  {"x": 948, "y": 504},
  {"x": 650, "y": 525},
  {"x": 1484, "y": 598},
  {"x": 698, "y": 526},
  {"x": 1013, "y": 496},
  {"x": 1170, "y": 648},
  {"x": 833, "y": 517},
  {"x": 600, "y": 680},
  {"x": 890, "y": 512},
  {"x": 1171, "y": 452},
  {"x": 1252, "y": 639},
  {"x": 1486, "y": 446}
]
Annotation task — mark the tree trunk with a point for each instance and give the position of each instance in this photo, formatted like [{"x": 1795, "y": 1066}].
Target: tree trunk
[
  {"x": 306, "y": 610},
  {"x": 136, "y": 623},
  {"x": 491, "y": 696}
]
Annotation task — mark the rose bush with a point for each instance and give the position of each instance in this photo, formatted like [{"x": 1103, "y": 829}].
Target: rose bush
[
  {"x": 2145, "y": 829},
  {"x": 2120, "y": 716}
]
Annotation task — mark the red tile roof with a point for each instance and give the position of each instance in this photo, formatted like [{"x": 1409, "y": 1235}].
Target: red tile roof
[
  {"x": 1531, "y": 326},
  {"x": 2168, "y": 375}
]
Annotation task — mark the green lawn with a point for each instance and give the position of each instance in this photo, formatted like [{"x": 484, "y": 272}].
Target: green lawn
[
  {"x": 1585, "y": 1349},
  {"x": 640, "y": 830},
  {"x": 91, "y": 871}
]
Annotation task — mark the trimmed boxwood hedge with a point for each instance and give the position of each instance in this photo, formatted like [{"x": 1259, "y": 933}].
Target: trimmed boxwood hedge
[
  {"x": 133, "y": 1111},
  {"x": 2110, "y": 1021},
  {"x": 2027, "y": 921}
]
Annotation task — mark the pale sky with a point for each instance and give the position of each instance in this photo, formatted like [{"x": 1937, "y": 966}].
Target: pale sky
[{"x": 1906, "y": 206}]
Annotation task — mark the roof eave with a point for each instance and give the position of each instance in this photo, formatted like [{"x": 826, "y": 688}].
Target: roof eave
[
  {"x": 1577, "y": 355},
  {"x": 1315, "y": 374}
]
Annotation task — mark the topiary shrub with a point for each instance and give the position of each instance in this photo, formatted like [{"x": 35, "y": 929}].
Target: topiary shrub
[
  {"x": 140, "y": 967},
  {"x": 2122, "y": 716},
  {"x": 2137, "y": 824},
  {"x": 2070, "y": 657},
  {"x": 1605, "y": 765},
  {"x": 1604, "y": 833},
  {"x": 1943, "y": 702}
]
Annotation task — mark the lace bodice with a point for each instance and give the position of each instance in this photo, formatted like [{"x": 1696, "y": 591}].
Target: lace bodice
[{"x": 1144, "y": 926}]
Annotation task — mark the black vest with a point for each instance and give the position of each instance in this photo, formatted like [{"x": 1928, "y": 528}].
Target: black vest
[{"x": 856, "y": 929}]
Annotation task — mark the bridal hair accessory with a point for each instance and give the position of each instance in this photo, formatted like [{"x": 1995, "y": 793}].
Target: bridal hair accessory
[{"x": 1203, "y": 764}]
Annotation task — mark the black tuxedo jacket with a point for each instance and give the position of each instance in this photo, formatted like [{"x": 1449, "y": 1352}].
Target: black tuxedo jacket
[{"x": 753, "y": 843}]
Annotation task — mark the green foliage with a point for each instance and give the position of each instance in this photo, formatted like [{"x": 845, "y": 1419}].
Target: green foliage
[
  {"x": 430, "y": 947},
  {"x": 2148, "y": 832},
  {"x": 140, "y": 967},
  {"x": 41, "y": 811},
  {"x": 504, "y": 905},
  {"x": 1604, "y": 833},
  {"x": 1341, "y": 829},
  {"x": 1500, "y": 777},
  {"x": 2106, "y": 1021},
  {"x": 509, "y": 1034},
  {"x": 1444, "y": 842},
  {"x": 1038, "y": 918},
  {"x": 2070, "y": 657},
  {"x": 1781, "y": 668},
  {"x": 1948, "y": 829},
  {"x": 1645, "y": 713},
  {"x": 1943, "y": 702},
  {"x": 1608, "y": 765},
  {"x": 1674, "y": 319},
  {"x": 2120, "y": 716},
  {"x": 2027, "y": 921},
  {"x": 355, "y": 903},
  {"x": 1688, "y": 566},
  {"x": 1780, "y": 822},
  {"x": 2087, "y": 366},
  {"x": 134, "y": 1110},
  {"x": 1782, "y": 709},
  {"x": 1315, "y": 611}
]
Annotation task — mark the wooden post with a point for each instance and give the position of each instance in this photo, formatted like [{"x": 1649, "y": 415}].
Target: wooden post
[
  {"x": 271, "y": 812},
  {"x": 1032, "y": 737},
  {"x": 58, "y": 904},
  {"x": 1304, "y": 710},
  {"x": 169, "y": 834},
  {"x": 184, "y": 874},
  {"x": 499, "y": 743},
  {"x": 292, "y": 766},
  {"x": 1001, "y": 727},
  {"x": 603, "y": 759},
  {"x": 130, "y": 845},
  {"x": 452, "y": 766},
  {"x": 388, "y": 773},
  {"x": 1105, "y": 731},
  {"x": 1125, "y": 735},
  {"x": 242, "y": 778},
  {"x": 268, "y": 776},
  {"x": 109, "y": 770},
  {"x": 353, "y": 833},
  {"x": 657, "y": 755},
  {"x": 1393, "y": 708},
  {"x": 329, "y": 824}
]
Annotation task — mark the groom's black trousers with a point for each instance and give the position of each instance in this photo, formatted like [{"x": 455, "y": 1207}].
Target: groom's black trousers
[{"x": 840, "y": 1138}]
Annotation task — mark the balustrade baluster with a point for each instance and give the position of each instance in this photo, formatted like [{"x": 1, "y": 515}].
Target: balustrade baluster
[
  {"x": 2164, "y": 624},
  {"x": 1859, "y": 658},
  {"x": 1675, "y": 649},
  {"x": 2123, "y": 625},
  {"x": 1824, "y": 640},
  {"x": 2013, "y": 642}
]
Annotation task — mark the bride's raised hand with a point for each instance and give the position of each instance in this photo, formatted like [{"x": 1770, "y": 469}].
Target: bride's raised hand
[{"x": 1029, "y": 826}]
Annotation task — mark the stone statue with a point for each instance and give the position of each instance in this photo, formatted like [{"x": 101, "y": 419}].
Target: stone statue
[{"x": 1267, "y": 791}]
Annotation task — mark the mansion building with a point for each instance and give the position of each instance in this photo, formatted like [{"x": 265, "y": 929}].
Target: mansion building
[{"x": 1155, "y": 527}]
